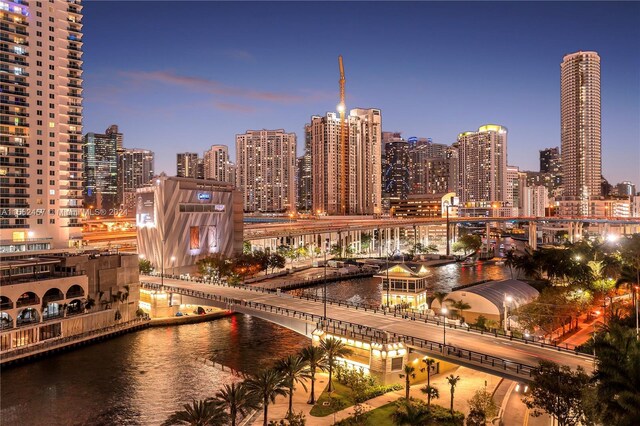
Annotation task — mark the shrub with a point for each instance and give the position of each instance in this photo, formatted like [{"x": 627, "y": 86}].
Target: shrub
[{"x": 378, "y": 390}]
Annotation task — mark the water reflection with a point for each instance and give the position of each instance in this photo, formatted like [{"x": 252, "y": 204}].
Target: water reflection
[
  {"x": 140, "y": 378},
  {"x": 442, "y": 278}
]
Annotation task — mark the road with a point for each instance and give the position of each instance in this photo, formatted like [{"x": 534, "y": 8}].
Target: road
[{"x": 513, "y": 351}]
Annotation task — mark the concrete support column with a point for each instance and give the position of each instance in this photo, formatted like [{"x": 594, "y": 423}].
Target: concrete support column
[
  {"x": 533, "y": 235},
  {"x": 397, "y": 239}
]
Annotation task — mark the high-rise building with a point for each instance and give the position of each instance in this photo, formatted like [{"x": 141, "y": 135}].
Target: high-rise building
[
  {"x": 625, "y": 189},
  {"x": 483, "y": 164},
  {"x": 441, "y": 172},
  {"x": 100, "y": 173},
  {"x": 266, "y": 170},
  {"x": 304, "y": 178},
  {"x": 580, "y": 126},
  {"x": 362, "y": 163},
  {"x": 550, "y": 169},
  {"x": 396, "y": 178},
  {"x": 135, "y": 170},
  {"x": 216, "y": 163},
  {"x": 114, "y": 132},
  {"x": 512, "y": 196},
  {"x": 41, "y": 123},
  {"x": 187, "y": 165},
  {"x": 138, "y": 168}
]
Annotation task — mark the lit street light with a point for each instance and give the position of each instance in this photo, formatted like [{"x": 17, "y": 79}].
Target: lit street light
[{"x": 444, "y": 311}]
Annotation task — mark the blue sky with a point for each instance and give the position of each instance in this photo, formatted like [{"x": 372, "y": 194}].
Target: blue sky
[{"x": 181, "y": 76}]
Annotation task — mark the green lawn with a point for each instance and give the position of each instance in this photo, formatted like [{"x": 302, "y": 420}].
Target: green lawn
[
  {"x": 381, "y": 416},
  {"x": 341, "y": 398}
]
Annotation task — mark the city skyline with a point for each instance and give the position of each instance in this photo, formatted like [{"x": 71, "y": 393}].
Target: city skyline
[{"x": 221, "y": 89}]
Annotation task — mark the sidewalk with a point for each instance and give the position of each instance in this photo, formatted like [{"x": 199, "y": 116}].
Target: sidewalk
[
  {"x": 470, "y": 381},
  {"x": 584, "y": 333}
]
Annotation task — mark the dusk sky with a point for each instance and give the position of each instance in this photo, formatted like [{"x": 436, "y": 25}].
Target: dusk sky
[{"x": 181, "y": 76}]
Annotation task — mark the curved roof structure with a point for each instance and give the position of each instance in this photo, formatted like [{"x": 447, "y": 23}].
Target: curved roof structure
[{"x": 496, "y": 291}]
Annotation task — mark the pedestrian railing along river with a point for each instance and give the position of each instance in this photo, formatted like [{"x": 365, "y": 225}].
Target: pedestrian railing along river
[
  {"x": 417, "y": 316},
  {"x": 359, "y": 331}
]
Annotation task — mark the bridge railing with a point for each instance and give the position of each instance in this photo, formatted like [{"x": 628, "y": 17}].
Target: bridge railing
[
  {"x": 359, "y": 331},
  {"x": 412, "y": 316},
  {"x": 437, "y": 320}
]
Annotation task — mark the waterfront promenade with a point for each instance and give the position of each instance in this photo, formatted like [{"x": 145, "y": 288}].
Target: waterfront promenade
[{"x": 511, "y": 350}]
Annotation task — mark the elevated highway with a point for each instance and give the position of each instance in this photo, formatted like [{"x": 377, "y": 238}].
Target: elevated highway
[{"x": 508, "y": 358}]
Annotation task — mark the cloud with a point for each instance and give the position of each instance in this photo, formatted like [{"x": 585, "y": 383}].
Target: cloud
[
  {"x": 234, "y": 107},
  {"x": 212, "y": 86},
  {"x": 239, "y": 54}
]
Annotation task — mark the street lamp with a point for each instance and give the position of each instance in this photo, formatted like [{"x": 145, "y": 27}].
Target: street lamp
[
  {"x": 388, "y": 282},
  {"x": 324, "y": 294},
  {"x": 173, "y": 259},
  {"x": 507, "y": 299},
  {"x": 444, "y": 311}
]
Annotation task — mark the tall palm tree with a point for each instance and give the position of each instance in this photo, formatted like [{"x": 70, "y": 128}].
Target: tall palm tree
[
  {"x": 265, "y": 387},
  {"x": 408, "y": 373},
  {"x": 333, "y": 349},
  {"x": 453, "y": 382},
  {"x": 431, "y": 392},
  {"x": 198, "y": 413},
  {"x": 428, "y": 365},
  {"x": 617, "y": 375},
  {"x": 235, "y": 398},
  {"x": 294, "y": 370},
  {"x": 459, "y": 305},
  {"x": 510, "y": 260},
  {"x": 314, "y": 356}
]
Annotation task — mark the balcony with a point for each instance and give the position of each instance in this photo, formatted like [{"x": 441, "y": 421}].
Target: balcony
[
  {"x": 13, "y": 143},
  {"x": 14, "y": 206},
  {"x": 13, "y": 185},
  {"x": 13, "y": 195}
]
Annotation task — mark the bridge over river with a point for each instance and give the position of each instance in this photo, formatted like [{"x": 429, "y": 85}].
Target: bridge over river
[{"x": 382, "y": 334}]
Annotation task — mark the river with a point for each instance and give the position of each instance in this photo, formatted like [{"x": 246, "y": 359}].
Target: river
[{"x": 142, "y": 377}]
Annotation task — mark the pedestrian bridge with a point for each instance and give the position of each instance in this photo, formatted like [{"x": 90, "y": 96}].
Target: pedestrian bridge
[{"x": 512, "y": 358}]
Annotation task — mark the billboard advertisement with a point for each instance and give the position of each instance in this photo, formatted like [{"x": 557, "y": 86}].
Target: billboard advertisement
[
  {"x": 145, "y": 209},
  {"x": 212, "y": 239},
  {"x": 194, "y": 238}
]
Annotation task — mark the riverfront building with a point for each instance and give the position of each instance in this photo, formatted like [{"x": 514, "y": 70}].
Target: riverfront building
[
  {"x": 182, "y": 220},
  {"x": 580, "y": 128},
  {"x": 408, "y": 283},
  {"x": 41, "y": 124},
  {"x": 266, "y": 170},
  {"x": 136, "y": 170},
  {"x": 52, "y": 294}
]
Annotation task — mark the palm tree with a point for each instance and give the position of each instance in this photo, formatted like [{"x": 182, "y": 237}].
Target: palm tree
[
  {"x": 198, "y": 413},
  {"x": 431, "y": 392},
  {"x": 408, "y": 373},
  {"x": 334, "y": 348},
  {"x": 265, "y": 387},
  {"x": 453, "y": 382},
  {"x": 295, "y": 370},
  {"x": 617, "y": 375},
  {"x": 428, "y": 364},
  {"x": 314, "y": 356},
  {"x": 409, "y": 414},
  {"x": 459, "y": 305},
  {"x": 236, "y": 399},
  {"x": 510, "y": 260},
  {"x": 440, "y": 296}
]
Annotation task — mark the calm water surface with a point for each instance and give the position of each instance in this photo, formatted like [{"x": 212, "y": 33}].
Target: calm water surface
[
  {"x": 141, "y": 378},
  {"x": 442, "y": 278}
]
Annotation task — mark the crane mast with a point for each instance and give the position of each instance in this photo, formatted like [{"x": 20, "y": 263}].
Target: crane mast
[{"x": 343, "y": 141}]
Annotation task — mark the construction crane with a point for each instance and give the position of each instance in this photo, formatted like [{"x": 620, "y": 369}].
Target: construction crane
[{"x": 343, "y": 140}]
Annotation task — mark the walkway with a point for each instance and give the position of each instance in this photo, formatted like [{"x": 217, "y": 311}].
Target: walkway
[
  {"x": 513, "y": 351},
  {"x": 471, "y": 381}
]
